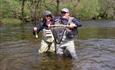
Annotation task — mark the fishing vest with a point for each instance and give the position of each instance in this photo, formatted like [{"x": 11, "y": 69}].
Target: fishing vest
[{"x": 48, "y": 36}]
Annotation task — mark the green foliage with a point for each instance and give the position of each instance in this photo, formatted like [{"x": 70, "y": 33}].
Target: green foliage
[
  {"x": 84, "y": 9},
  {"x": 9, "y": 8},
  {"x": 107, "y": 8},
  {"x": 89, "y": 9},
  {"x": 10, "y": 21}
]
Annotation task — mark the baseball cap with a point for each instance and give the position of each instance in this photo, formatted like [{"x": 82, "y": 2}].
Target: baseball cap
[
  {"x": 47, "y": 13},
  {"x": 65, "y": 10}
]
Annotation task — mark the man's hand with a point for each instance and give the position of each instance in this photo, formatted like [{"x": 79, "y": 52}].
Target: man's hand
[
  {"x": 35, "y": 28},
  {"x": 72, "y": 25}
]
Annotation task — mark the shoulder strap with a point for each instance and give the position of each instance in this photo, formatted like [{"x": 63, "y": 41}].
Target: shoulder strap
[{"x": 70, "y": 20}]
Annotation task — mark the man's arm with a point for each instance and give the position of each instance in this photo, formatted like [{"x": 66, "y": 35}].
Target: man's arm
[
  {"x": 38, "y": 28},
  {"x": 76, "y": 22}
]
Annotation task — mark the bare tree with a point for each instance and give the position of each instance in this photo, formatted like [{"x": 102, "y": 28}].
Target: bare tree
[
  {"x": 22, "y": 9},
  {"x": 35, "y": 6},
  {"x": 58, "y": 4}
]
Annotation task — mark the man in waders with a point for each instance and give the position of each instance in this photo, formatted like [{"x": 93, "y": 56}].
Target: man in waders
[
  {"x": 47, "y": 43},
  {"x": 67, "y": 42}
]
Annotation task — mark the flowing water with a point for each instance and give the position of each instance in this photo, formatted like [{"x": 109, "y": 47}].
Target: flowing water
[{"x": 95, "y": 47}]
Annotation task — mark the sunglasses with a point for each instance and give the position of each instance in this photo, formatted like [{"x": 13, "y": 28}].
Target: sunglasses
[
  {"x": 48, "y": 15},
  {"x": 63, "y": 12}
]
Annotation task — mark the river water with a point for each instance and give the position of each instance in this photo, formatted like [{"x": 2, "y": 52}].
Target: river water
[{"x": 95, "y": 46}]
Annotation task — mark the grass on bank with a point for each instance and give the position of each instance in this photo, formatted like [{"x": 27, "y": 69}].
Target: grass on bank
[{"x": 10, "y": 21}]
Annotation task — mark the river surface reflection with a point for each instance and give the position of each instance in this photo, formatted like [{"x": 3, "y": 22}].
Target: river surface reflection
[{"x": 95, "y": 47}]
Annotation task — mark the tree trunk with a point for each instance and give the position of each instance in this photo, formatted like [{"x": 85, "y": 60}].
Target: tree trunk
[
  {"x": 58, "y": 4},
  {"x": 22, "y": 10},
  {"x": 34, "y": 9}
]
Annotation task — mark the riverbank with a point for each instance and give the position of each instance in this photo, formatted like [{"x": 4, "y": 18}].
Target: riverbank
[{"x": 11, "y": 21}]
